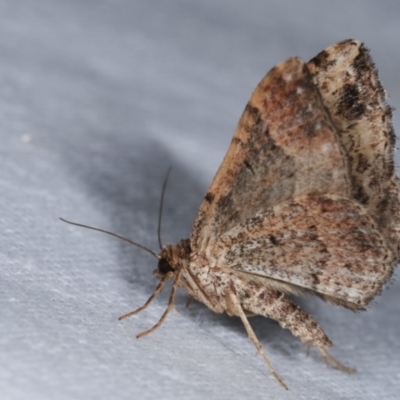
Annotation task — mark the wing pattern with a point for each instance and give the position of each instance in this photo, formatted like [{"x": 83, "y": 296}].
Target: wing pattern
[{"x": 307, "y": 193}]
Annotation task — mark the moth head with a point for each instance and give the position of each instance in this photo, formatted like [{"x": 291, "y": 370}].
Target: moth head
[
  {"x": 164, "y": 267},
  {"x": 168, "y": 259},
  {"x": 165, "y": 261},
  {"x": 173, "y": 256}
]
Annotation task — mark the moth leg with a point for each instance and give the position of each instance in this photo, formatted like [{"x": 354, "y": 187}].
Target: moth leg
[
  {"x": 332, "y": 361},
  {"x": 151, "y": 298},
  {"x": 189, "y": 301},
  {"x": 196, "y": 290},
  {"x": 249, "y": 313},
  {"x": 169, "y": 307},
  {"x": 276, "y": 305},
  {"x": 235, "y": 308}
]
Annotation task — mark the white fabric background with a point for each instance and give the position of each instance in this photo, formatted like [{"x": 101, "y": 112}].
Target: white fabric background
[{"x": 97, "y": 99}]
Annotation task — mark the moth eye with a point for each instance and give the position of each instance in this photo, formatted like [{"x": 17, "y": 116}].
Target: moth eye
[{"x": 164, "y": 267}]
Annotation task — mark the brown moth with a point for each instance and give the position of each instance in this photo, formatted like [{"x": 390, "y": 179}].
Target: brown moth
[{"x": 306, "y": 200}]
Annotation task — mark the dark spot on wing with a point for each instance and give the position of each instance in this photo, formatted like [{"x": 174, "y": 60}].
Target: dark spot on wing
[
  {"x": 359, "y": 193},
  {"x": 362, "y": 163},
  {"x": 236, "y": 140},
  {"x": 350, "y": 103},
  {"x": 345, "y": 42},
  {"x": 322, "y": 60},
  {"x": 225, "y": 202},
  {"x": 392, "y": 136},
  {"x": 248, "y": 166},
  {"x": 273, "y": 240},
  {"x": 363, "y": 63},
  {"x": 252, "y": 123},
  {"x": 209, "y": 197},
  {"x": 253, "y": 112}
]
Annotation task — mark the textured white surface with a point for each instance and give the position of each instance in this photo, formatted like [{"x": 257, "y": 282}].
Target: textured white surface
[{"x": 97, "y": 99}]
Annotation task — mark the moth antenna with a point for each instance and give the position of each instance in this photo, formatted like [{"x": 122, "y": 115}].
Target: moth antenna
[
  {"x": 161, "y": 206},
  {"x": 112, "y": 234}
]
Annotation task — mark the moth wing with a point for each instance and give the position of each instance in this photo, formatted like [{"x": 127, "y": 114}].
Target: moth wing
[
  {"x": 350, "y": 87},
  {"x": 327, "y": 245},
  {"x": 306, "y": 198},
  {"x": 285, "y": 146}
]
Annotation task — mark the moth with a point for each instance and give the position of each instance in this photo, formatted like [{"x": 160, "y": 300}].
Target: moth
[{"x": 306, "y": 201}]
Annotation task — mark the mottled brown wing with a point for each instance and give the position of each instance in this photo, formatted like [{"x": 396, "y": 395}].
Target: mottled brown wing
[
  {"x": 327, "y": 245},
  {"x": 285, "y": 146},
  {"x": 350, "y": 87},
  {"x": 306, "y": 198}
]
